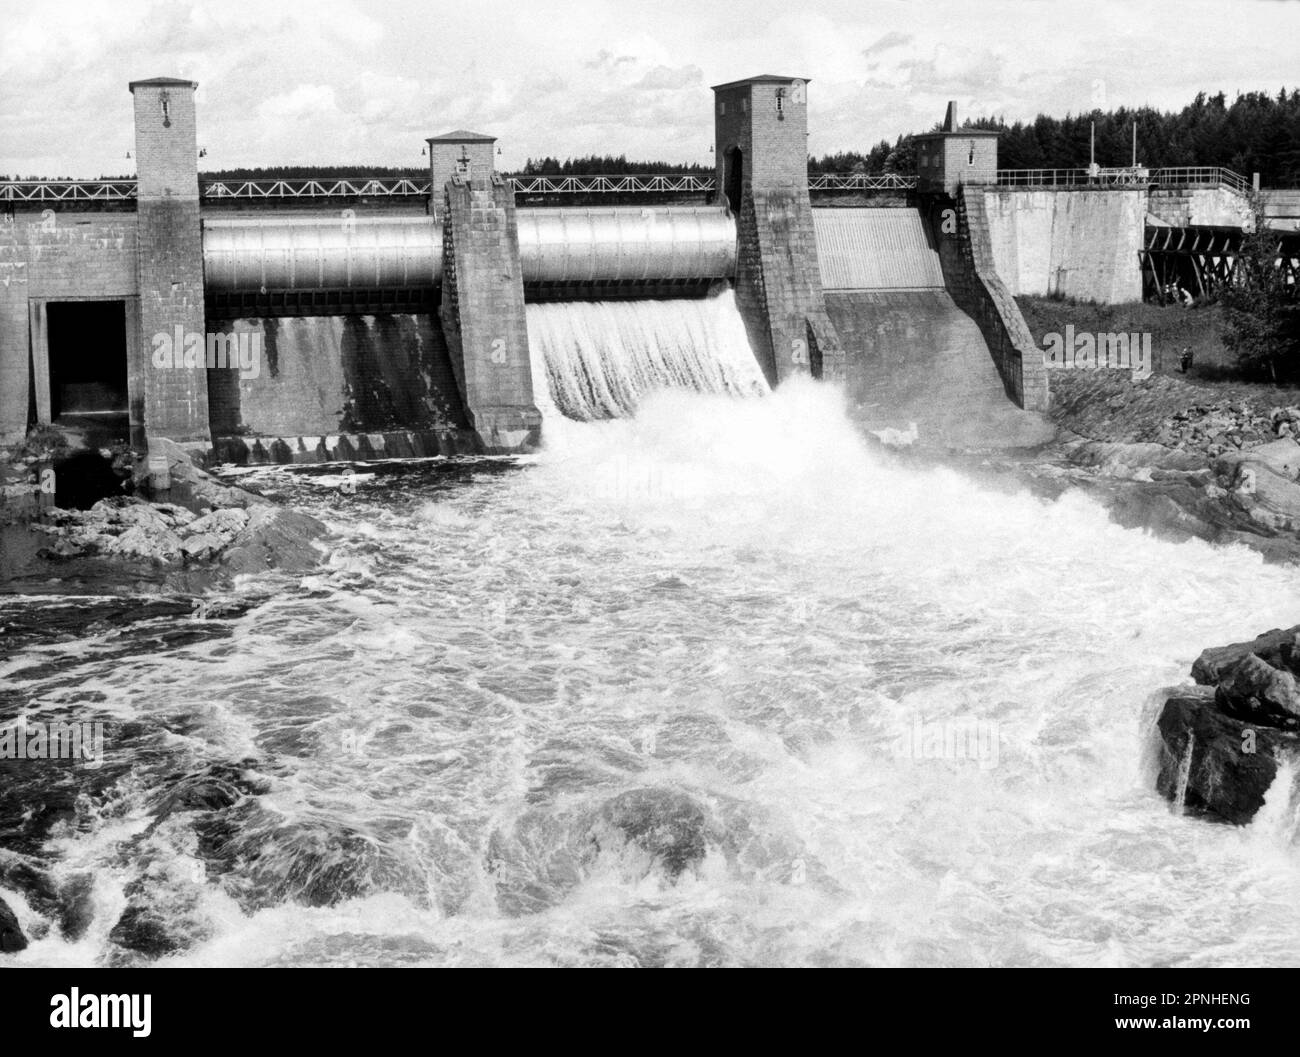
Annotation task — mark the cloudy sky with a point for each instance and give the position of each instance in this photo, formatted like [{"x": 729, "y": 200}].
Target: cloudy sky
[{"x": 344, "y": 81}]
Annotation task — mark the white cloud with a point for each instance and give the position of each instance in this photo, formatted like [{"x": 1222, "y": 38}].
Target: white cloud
[{"x": 346, "y": 81}]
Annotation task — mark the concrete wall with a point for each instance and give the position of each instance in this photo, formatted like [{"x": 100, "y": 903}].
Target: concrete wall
[
  {"x": 1281, "y": 209},
  {"x": 58, "y": 256},
  {"x": 338, "y": 374},
  {"x": 1182, "y": 206},
  {"x": 1073, "y": 243}
]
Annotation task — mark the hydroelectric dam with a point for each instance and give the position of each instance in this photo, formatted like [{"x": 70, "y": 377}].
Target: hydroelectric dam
[{"x": 309, "y": 320}]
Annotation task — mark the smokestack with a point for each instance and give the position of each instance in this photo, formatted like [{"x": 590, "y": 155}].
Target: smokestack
[{"x": 950, "y": 121}]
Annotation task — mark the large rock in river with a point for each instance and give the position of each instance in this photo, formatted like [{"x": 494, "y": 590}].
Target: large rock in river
[
  {"x": 1221, "y": 743},
  {"x": 12, "y": 939},
  {"x": 1217, "y": 765}
]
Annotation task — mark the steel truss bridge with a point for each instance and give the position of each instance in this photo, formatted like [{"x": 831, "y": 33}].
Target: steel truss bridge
[
  {"x": 398, "y": 187},
  {"x": 1203, "y": 258},
  {"x": 87, "y": 191}
]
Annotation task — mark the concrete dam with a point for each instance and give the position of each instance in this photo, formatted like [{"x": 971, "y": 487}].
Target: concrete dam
[{"x": 313, "y": 324}]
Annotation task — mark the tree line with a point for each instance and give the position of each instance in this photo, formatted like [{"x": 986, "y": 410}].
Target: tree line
[{"x": 1254, "y": 133}]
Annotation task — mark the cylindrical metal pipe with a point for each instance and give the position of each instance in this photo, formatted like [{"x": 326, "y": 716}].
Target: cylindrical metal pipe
[
  {"x": 626, "y": 243},
  {"x": 314, "y": 253},
  {"x": 248, "y": 254}
]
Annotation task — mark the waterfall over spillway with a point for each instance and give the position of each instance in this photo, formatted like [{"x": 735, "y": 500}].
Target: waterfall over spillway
[{"x": 601, "y": 359}]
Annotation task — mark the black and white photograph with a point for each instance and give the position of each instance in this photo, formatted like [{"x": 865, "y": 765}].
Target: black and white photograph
[{"x": 650, "y": 485}]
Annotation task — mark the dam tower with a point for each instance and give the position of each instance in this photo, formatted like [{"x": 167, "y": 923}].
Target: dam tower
[
  {"x": 761, "y": 143},
  {"x": 482, "y": 310},
  {"x": 169, "y": 265}
]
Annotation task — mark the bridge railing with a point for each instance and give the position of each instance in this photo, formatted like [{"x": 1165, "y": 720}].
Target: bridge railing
[
  {"x": 371, "y": 187},
  {"x": 856, "y": 181},
  {"x": 12, "y": 191},
  {"x": 67, "y": 190},
  {"x": 1125, "y": 176},
  {"x": 1201, "y": 175},
  {"x": 406, "y": 187},
  {"x": 659, "y": 183}
]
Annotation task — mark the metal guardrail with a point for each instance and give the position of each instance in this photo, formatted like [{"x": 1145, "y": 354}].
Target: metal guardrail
[
  {"x": 1201, "y": 175},
  {"x": 1138, "y": 177},
  {"x": 1125, "y": 176}
]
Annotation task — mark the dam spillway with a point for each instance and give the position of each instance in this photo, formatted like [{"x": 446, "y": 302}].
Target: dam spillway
[{"x": 595, "y": 360}]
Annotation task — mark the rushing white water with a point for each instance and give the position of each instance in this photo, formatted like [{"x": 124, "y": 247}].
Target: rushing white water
[
  {"x": 914, "y": 715},
  {"x": 602, "y": 359}
]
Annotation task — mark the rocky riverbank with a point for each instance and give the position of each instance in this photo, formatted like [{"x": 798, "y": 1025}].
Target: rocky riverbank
[
  {"x": 1222, "y": 742},
  {"x": 1180, "y": 460},
  {"x": 198, "y": 533}
]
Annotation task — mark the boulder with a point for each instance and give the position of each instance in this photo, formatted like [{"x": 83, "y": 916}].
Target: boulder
[
  {"x": 158, "y": 544},
  {"x": 669, "y": 826},
  {"x": 263, "y": 859},
  {"x": 1279, "y": 648},
  {"x": 275, "y": 537},
  {"x": 1263, "y": 481},
  {"x": 1253, "y": 690},
  {"x": 12, "y": 939},
  {"x": 1221, "y": 741},
  {"x": 200, "y": 546},
  {"x": 191, "y": 484},
  {"x": 1213, "y": 764},
  {"x": 225, "y": 524}
]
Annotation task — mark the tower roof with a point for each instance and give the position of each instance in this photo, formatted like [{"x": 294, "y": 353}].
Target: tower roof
[
  {"x": 461, "y": 136},
  {"x": 762, "y": 78},
  {"x": 162, "y": 82}
]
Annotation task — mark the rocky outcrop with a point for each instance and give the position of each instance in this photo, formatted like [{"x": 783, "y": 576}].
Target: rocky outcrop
[
  {"x": 1265, "y": 482},
  {"x": 249, "y": 538},
  {"x": 1221, "y": 742},
  {"x": 12, "y": 939},
  {"x": 274, "y": 537}
]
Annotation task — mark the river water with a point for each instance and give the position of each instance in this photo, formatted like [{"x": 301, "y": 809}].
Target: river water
[{"x": 901, "y": 720}]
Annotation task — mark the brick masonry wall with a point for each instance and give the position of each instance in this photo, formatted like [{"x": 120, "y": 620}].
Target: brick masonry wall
[
  {"x": 972, "y": 280},
  {"x": 483, "y": 314}
]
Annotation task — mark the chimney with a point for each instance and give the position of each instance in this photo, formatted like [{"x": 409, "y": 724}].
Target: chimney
[{"x": 950, "y": 121}]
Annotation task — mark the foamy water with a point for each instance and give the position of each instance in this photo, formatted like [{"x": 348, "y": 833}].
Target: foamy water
[{"x": 730, "y": 600}]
